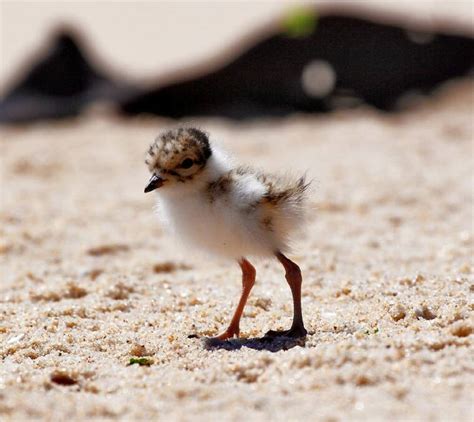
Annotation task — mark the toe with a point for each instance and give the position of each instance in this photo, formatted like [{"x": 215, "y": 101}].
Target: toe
[
  {"x": 294, "y": 332},
  {"x": 274, "y": 333},
  {"x": 226, "y": 335}
]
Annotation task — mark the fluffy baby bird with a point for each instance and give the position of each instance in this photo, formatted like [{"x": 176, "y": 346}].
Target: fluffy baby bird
[{"x": 228, "y": 210}]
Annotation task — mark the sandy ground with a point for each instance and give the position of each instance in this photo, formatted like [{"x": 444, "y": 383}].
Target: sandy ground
[{"x": 90, "y": 280}]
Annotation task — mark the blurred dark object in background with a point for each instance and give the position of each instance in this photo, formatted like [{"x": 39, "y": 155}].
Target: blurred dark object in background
[
  {"x": 341, "y": 62},
  {"x": 61, "y": 84},
  {"x": 311, "y": 65}
]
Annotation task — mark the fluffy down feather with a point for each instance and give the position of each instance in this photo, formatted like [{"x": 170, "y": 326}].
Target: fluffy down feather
[{"x": 233, "y": 211}]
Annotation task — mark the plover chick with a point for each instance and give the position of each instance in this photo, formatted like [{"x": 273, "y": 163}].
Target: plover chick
[{"x": 228, "y": 210}]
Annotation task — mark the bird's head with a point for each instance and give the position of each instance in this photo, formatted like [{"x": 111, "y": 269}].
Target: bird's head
[{"x": 177, "y": 156}]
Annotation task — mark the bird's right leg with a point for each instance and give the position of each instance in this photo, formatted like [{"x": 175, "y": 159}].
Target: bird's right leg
[{"x": 248, "y": 280}]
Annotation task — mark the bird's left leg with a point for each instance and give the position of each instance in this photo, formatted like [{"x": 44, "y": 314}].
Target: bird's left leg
[{"x": 248, "y": 280}]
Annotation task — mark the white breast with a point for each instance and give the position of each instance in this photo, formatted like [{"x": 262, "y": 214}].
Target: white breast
[{"x": 224, "y": 227}]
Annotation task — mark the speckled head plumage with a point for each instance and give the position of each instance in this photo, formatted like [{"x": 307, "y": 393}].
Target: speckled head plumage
[{"x": 177, "y": 155}]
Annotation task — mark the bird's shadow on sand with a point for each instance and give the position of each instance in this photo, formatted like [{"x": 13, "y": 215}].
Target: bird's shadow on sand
[{"x": 271, "y": 344}]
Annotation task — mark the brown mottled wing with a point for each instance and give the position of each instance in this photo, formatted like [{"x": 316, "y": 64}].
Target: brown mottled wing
[{"x": 283, "y": 189}]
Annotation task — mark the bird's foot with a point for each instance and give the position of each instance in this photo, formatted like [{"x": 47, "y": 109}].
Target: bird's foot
[
  {"x": 227, "y": 334},
  {"x": 293, "y": 332},
  {"x": 220, "y": 340}
]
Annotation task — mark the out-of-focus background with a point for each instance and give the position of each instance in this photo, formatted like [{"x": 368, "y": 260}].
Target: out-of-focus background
[
  {"x": 141, "y": 39},
  {"x": 90, "y": 281},
  {"x": 147, "y": 38},
  {"x": 188, "y": 59}
]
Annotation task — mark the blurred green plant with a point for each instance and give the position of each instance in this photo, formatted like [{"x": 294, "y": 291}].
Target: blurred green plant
[
  {"x": 300, "y": 22},
  {"x": 141, "y": 361}
]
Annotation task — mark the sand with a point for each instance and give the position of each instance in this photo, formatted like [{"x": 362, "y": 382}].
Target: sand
[{"x": 89, "y": 278}]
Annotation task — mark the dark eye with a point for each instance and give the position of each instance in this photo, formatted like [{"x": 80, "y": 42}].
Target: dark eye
[{"x": 187, "y": 163}]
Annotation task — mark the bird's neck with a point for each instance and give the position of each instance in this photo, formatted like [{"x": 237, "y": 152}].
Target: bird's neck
[{"x": 217, "y": 165}]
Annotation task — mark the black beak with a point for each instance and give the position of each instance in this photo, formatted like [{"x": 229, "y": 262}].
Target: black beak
[{"x": 154, "y": 183}]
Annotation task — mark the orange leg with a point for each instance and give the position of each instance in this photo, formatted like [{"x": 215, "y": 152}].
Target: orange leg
[
  {"x": 248, "y": 280},
  {"x": 294, "y": 279}
]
